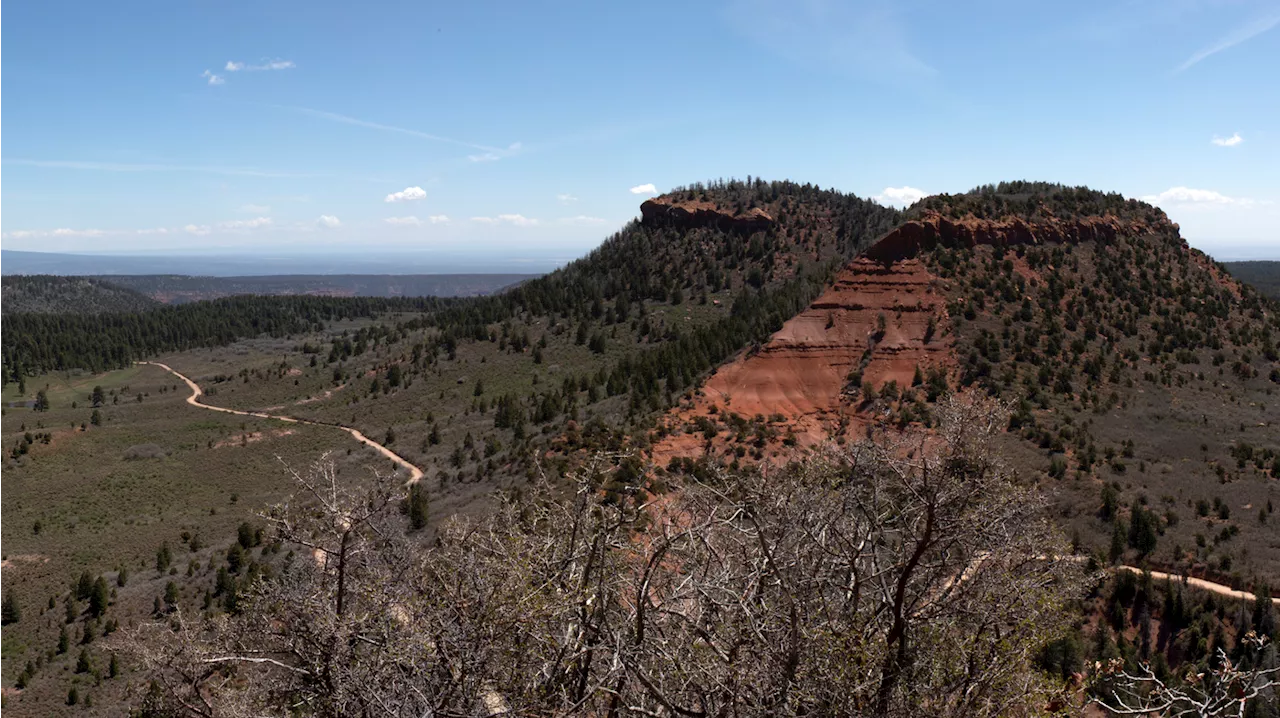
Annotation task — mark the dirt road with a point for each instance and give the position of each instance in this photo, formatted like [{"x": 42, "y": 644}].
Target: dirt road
[
  {"x": 414, "y": 472},
  {"x": 1199, "y": 583}
]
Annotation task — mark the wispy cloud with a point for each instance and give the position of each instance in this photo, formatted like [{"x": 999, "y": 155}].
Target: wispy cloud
[
  {"x": 439, "y": 219},
  {"x": 212, "y": 78},
  {"x": 233, "y": 226},
  {"x": 646, "y": 188},
  {"x": 1244, "y": 33},
  {"x": 409, "y": 221},
  {"x": 1232, "y": 141},
  {"x": 408, "y": 194},
  {"x": 233, "y": 66},
  {"x": 566, "y": 198},
  {"x": 1187, "y": 196},
  {"x": 243, "y": 224},
  {"x": 495, "y": 155},
  {"x": 125, "y": 167},
  {"x": 581, "y": 219},
  {"x": 517, "y": 220},
  {"x": 900, "y": 196},
  {"x": 346, "y": 120},
  {"x": 66, "y": 232},
  {"x": 255, "y": 208},
  {"x": 328, "y": 221},
  {"x": 859, "y": 38}
]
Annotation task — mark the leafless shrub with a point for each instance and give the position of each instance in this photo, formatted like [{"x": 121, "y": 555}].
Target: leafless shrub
[
  {"x": 1223, "y": 691},
  {"x": 902, "y": 578}
]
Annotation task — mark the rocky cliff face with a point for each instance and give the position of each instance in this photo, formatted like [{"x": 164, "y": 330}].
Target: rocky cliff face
[
  {"x": 874, "y": 322},
  {"x": 689, "y": 214},
  {"x": 933, "y": 229}
]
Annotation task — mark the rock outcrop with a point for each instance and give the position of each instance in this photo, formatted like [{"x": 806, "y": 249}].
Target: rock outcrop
[
  {"x": 932, "y": 229},
  {"x": 873, "y": 321},
  {"x": 687, "y": 214}
]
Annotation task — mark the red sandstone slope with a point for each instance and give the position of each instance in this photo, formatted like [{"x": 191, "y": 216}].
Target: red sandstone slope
[{"x": 802, "y": 375}]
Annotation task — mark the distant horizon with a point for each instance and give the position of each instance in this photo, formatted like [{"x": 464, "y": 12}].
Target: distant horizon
[{"x": 321, "y": 123}]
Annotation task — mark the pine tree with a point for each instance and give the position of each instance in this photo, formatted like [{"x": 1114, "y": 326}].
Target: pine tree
[
  {"x": 10, "y": 610},
  {"x": 1118, "y": 542},
  {"x": 418, "y": 506},
  {"x": 99, "y": 397},
  {"x": 84, "y": 586},
  {"x": 113, "y": 669},
  {"x": 64, "y": 641},
  {"x": 99, "y": 598}
]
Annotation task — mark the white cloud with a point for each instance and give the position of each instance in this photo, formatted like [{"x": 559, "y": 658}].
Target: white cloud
[
  {"x": 197, "y": 229},
  {"x": 240, "y": 224},
  {"x": 328, "y": 221},
  {"x": 212, "y": 78},
  {"x": 1235, "y": 37},
  {"x": 409, "y": 221},
  {"x": 581, "y": 219},
  {"x": 65, "y": 232},
  {"x": 1186, "y": 196},
  {"x": 647, "y": 188},
  {"x": 438, "y": 219},
  {"x": 408, "y": 194},
  {"x": 900, "y": 196},
  {"x": 233, "y": 66},
  {"x": 517, "y": 220},
  {"x": 1232, "y": 141},
  {"x": 255, "y": 208},
  {"x": 566, "y": 198}
]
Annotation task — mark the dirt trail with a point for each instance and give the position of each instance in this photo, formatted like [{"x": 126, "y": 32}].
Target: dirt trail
[
  {"x": 1199, "y": 583},
  {"x": 414, "y": 472}
]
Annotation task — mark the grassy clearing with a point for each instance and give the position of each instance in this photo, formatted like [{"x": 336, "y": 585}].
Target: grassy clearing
[{"x": 104, "y": 497}]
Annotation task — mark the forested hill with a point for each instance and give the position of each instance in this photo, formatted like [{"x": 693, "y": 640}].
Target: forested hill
[
  {"x": 655, "y": 260},
  {"x": 44, "y": 294},
  {"x": 1263, "y": 276}
]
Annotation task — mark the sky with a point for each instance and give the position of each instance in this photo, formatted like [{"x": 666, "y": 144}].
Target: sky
[{"x": 521, "y": 128}]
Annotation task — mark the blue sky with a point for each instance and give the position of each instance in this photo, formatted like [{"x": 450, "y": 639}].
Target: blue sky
[{"x": 522, "y": 128}]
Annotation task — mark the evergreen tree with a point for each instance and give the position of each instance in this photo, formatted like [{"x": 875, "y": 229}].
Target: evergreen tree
[
  {"x": 99, "y": 598},
  {"x": 418, "y": 506},
  {"x": 64, "y": 641},
  {"x": 84, "y": 587},
  {"x": 163, "y": 557},
  {"x": 10, "y": 611},
  {"x": 1118, "y": 542},
  {"x": 99, "y": 397}
]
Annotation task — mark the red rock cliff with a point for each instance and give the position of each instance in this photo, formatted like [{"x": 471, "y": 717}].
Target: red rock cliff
[
  {"x": 933, "y": 229},
  {"x": 692, "y": 213}
]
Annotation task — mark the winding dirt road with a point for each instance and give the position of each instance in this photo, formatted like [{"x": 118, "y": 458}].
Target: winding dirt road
[
  {"x": 196, "y": 392},
  {"x": 1199, "y": 583},
  {"x": 416, "y": 473}
]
